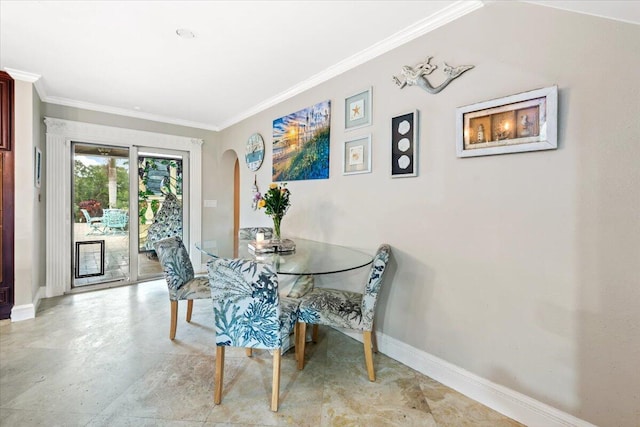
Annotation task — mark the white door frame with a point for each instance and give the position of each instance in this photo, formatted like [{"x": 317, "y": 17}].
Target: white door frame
[{"x": 60, "y": 134}]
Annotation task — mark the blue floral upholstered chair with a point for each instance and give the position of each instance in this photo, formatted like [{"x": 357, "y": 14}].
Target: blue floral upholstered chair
[
  {"x": 249, "y": 313},
  {"x": 345, "y": 309},
  {"x": 181, "y": 280},
  {"x": 167, "y": 222}
]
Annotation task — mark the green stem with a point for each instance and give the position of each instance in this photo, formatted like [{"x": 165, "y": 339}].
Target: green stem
[{"x": 276, "y": 227}]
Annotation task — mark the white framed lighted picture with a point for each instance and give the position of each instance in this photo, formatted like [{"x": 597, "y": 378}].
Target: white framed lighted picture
[
  {"x": 518, "y": 123},
  {"x": 404, "y": 145}
]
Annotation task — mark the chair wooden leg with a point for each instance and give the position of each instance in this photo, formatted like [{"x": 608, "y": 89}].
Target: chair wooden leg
[
  {"x": 374, "y": 341},
  {"x": 302, "y": 337},
  {"x": 295, "y": 339},
  {"x": 189, "y": 309},
  {"x": 275, "y": 387},
  {"x": 174, "y": 320},
  {"x": 314, "y": 333},
  {"x": 248, "y": 351},
  {"x": 368, "y": 355},
  {"x": 217, "y": 382}
]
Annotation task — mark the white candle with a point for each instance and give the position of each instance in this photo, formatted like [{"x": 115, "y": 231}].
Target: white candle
[{"x": 259, "y": 237}]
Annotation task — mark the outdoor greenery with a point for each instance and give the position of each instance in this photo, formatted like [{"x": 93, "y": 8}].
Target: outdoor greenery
[
  {"x": 155, "y": 177},
  {"x": 92, "y": 184}
]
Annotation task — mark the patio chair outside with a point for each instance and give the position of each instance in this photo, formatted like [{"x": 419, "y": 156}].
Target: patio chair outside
[{"x": 95, "y": 223}]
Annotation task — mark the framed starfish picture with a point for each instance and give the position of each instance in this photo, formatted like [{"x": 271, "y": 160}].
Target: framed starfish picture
[{"x": 357, "y": 110}]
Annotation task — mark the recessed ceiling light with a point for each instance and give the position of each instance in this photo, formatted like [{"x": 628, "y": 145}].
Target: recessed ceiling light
[
  {"x": 184, "y": 33},
  {"x": 135, "y": 107}
]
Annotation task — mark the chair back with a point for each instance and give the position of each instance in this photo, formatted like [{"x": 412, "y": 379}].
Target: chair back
[
  {"x": 167, "y": 222},
  {"x": 372, "y": 287},
  {"x": 246, "y": 304},
  {"x": 249, "y": 233},
  {"x": 175, "y": 262}
]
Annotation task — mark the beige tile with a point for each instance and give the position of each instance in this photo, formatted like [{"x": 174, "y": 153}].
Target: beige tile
[
  {"x": 104, "y": 358},
  {"x": 451, "y": 408},
  {"x": 35, "y": 418}
]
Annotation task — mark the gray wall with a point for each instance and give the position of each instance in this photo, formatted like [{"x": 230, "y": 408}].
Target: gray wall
[
  {"x": 99, "y": 118},
  {"x": 520, "y": 268}
]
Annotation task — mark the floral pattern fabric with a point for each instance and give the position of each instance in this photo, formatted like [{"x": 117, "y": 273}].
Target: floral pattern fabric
[
  {"x": 302, "y": 286},
  {"x": 167, "y": 223},
  {"x": 346, "y": 309},
  {"x": 249, "y": 233},
  {"x": 178, "y": 271},
  {"x": 247, "y": 309}
]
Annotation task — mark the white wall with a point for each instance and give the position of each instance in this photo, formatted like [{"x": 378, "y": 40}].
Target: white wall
[
  {"x": 39, "y": 202},
  {"x": 520, "y": 268},
  {"x": 26, "y": 253}
]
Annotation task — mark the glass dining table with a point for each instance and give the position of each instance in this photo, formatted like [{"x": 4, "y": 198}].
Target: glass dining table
[{"x": 309, "y": 257}]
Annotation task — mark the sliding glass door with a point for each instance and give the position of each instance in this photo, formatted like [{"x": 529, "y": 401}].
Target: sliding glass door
[
  {"x": 162, "y": 203},
  {"x": 118, "y": 216},
  {"x": 101, "y": 208}
]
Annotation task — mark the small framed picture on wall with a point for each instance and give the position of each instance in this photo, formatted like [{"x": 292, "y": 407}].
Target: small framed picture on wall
[
  {"x": 357, "y": 110},
  {"x": 356, "y": 157},
  {"x": 38, "y": 168},
  {"x": 404, "y": 145}
]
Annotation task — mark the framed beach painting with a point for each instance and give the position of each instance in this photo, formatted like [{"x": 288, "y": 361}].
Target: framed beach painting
[{"x": 301, "y": 144}]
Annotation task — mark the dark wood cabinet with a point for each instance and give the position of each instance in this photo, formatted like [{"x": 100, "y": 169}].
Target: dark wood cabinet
[{"x": 6, "y": 195}]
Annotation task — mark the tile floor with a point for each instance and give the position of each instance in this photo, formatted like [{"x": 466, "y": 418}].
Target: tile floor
[
  {"x": 116, "y": 256},
  {"x": 104, "y": 358}
]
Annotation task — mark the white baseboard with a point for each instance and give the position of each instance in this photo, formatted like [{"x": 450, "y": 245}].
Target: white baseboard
[
  {"x": 28, "y": 311},
  {"x": 508, "y": 402}
]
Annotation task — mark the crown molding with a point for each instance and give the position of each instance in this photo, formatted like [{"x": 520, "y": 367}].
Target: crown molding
[
  {"x": 411, "y": 32},
  {"x": 25, "y": 76},
  {"x": 124, "y": 112}
]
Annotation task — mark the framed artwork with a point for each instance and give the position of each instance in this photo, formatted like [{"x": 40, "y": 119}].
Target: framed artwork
[
  {"x": 356, "y": 157},
  {"x": 404, "y": 145},
  {"x": 301, "y": 144},
  {"x": 357, "y": 110},
  {"x": 38, "y": 167},
  {"x": 522, "y": 122}
]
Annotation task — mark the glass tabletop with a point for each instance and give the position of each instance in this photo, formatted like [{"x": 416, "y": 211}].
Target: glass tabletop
[{"x": 309, "y": 257}]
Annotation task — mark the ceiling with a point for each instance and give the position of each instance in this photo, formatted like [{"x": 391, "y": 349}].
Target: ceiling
[{"x": 124, "y": 57}]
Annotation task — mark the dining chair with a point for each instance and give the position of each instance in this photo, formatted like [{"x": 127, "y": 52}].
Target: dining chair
[
  {"x": 167, "y": 222},
  {"x": 249, "y": 233},
  {"x": 181, "y": 280},
  {"x": 345, "y": 309},
  {"x": 249, "y": 313}
]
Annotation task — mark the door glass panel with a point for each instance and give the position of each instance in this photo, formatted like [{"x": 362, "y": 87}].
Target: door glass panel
[
  {"x": 160, "y": 201},
  {"x": 100, "y": 214}
]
